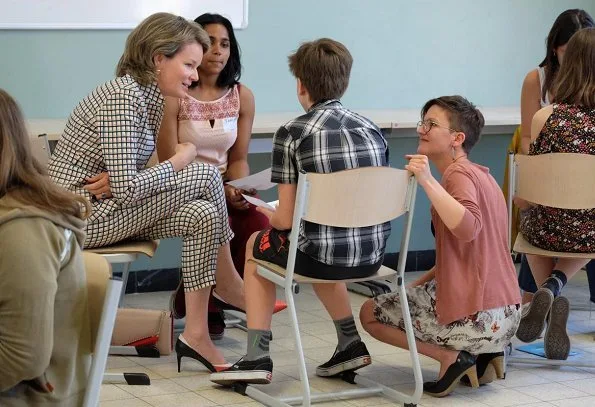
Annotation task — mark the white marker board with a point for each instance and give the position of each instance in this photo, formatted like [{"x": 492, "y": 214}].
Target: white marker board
[{"x": 110, "y": 14}]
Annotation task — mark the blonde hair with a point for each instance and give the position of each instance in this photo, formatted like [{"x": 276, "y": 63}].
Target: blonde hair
[
  {"x": 160, "y": 33},
  {"x": 575, "y": 83},
  {"x": 323, "y": 66},
  {"x": 22, "y": 175}
]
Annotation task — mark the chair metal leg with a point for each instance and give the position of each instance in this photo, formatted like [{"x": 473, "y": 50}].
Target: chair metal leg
[
  {"x": 235, "y": 319},
  {"x": 416, "y": 396},
  {"x": 104, "y": 333},
  {"x": 298, "y": 345},
  {"x": 125, "y": 272},
  {"x": 370, "y": 388}
]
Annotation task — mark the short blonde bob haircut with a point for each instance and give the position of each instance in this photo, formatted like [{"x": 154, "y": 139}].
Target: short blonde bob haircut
[{"x": 160, "y": 33}]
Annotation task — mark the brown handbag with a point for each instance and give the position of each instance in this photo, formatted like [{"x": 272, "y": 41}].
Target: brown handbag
[{"x": 148, "y": 332}]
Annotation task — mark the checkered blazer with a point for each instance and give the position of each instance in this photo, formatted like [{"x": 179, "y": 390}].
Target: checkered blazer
[
  {"x": 330, "y": 138},
  {"x": 113, "y": 129}
]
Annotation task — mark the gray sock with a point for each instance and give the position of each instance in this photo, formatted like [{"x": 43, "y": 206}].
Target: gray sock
[
  {"x": 346, "y": 332},
  {"x": 258, "y": 344}
]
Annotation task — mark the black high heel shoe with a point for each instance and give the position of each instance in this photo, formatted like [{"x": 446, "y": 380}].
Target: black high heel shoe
[
  {"x": 183, "y": 349},
  {"x": 490, "y": 366},
  {"x": 464, "y": 366}
]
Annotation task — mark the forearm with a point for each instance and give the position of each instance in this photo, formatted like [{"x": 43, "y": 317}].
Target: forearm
[
  {"x": 427, "y": 276},
  {"x": 282, "y": 218},
  {"x": 525, "y": 143},
  {"x": 279, "y": 223},
  {"x": 451, "y": 211},
  {"x": 237, "y": 169},
  {"x": 166, "y": 148}
]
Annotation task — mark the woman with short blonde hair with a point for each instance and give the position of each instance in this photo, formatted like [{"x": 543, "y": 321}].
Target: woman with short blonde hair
[{"x": 103, "y": 155}]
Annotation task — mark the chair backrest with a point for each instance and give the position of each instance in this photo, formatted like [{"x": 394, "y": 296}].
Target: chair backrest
[
  {"x": 103, "y": 297},
  {"x": 41, "y": 149},
  {"x": 358, "y": 197},
  {"x": 354, "y": 198},
  {"x": 558, "y": 180}
]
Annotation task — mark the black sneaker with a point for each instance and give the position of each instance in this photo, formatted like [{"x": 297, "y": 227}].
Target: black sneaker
[
  {"x": 258, "y": 371},
  {"x": 534, "y": 315},
  {"x": 556, "y": 340},
  {"x": 355, "y": 356}
]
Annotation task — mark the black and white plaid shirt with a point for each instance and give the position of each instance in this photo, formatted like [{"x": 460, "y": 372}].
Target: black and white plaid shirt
[
  {"x": 330, "y": 138},
  {"x": 113, "y": 129}
]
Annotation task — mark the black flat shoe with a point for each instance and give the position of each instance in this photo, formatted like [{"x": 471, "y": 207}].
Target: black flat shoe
[
  {"x": 556, "y": 341},
  {"x": 464, "y": 366},
  {"x": 534, "y": 315},
  {"x": 182, "y": 349},
  {"x": 490, "y": 366},
  {"x": 220, "y": 302},
  {"x": 216, "y": 323}
]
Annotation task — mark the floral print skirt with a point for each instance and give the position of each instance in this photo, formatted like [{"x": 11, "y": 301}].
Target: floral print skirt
[
  {"x": 559, "y": 230},
  {"x": 484, "y": 332}
]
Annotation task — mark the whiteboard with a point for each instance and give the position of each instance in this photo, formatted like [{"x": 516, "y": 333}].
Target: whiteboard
[{"x": 110, "y": 14}]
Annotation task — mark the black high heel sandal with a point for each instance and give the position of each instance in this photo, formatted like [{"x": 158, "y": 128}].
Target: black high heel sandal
[
  {"x": 464, "y": 366},
  {"x": 490, "y": 366},
  {"x": 183, "y": 349}
]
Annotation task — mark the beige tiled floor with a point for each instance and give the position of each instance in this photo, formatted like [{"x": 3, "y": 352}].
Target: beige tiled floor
[{"x": 525, "y": 385}]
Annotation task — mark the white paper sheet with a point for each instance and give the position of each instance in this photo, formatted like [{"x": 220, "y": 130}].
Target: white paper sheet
[
  {"x": 258, "y": 202},
  {"x": 260, "y": 181}
]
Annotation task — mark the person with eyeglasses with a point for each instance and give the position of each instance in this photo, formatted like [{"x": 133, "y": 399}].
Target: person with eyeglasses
[{"x": 465, "y": 309}]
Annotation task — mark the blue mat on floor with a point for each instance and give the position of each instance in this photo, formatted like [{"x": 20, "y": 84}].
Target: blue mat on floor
[{"x": 536, "y": 348}]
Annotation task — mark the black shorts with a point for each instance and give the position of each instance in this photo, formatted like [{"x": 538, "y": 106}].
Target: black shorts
[{"x": 272, "y": 245}]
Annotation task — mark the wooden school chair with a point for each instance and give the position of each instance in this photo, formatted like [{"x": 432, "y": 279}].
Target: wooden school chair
[
  {"x": 558, "y": 180},
  {"x": 351, "y": 198}
]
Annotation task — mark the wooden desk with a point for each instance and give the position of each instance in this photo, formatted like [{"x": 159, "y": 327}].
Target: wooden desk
[{"x": 394, "y": 122}]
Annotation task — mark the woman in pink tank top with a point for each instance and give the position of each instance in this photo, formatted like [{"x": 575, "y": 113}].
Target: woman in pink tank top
[{"x": 217, "y": 118}]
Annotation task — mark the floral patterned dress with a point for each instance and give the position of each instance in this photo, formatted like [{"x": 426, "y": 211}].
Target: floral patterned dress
[{"x": 569, "y": 129}]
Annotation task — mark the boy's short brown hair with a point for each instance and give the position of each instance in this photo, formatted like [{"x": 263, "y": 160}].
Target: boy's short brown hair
[{"x": 323, "y": 66}]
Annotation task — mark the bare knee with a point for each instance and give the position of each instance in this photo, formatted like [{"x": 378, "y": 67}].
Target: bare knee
[
  {"x": 250, "y": 245},
  {"x": 322, "y": 290},
  {"x": 249, "y": 254},
  {"x": 366, "y": 315}
]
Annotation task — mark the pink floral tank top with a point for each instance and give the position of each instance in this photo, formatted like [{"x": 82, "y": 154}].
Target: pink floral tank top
[{"x": 211, "y": 126}]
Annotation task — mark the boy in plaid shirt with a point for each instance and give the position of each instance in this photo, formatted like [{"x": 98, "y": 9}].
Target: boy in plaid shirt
[{"x": 327, "y": 138}]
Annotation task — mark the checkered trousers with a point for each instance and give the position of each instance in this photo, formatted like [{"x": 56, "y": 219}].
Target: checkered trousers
[{"x": 195, "y": 211}]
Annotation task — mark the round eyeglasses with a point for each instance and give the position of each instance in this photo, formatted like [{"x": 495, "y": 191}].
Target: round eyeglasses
[{"x": 424, "y": 126}]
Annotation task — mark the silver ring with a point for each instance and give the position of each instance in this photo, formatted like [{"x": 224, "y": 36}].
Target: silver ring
[{"x": 103, "y": 195}]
